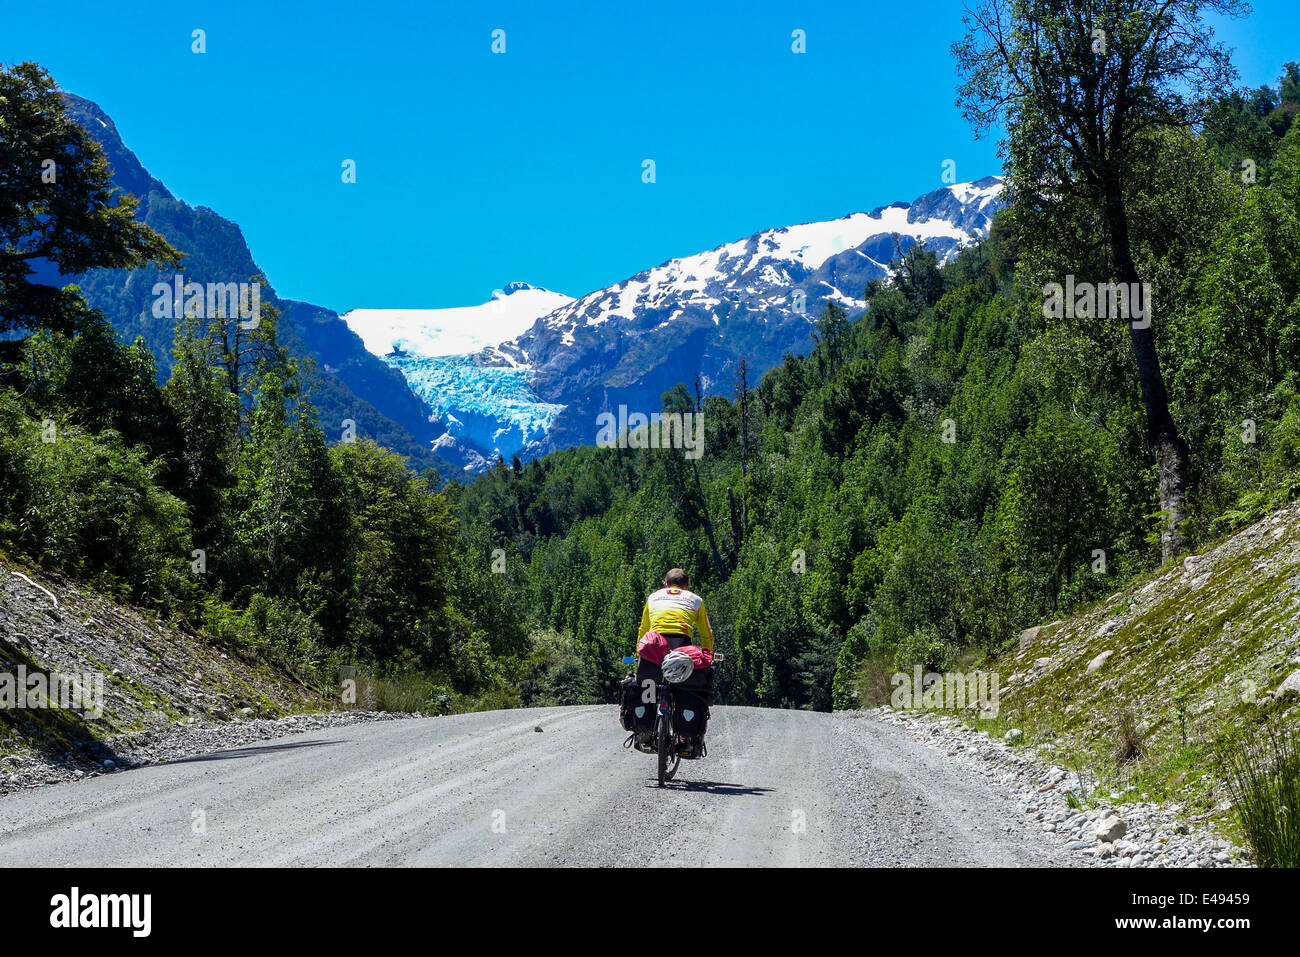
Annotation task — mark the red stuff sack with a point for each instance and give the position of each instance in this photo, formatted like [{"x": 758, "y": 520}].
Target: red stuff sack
[
  {"x": 652, "y": 647},
  {"x": 701, "y": 657}
]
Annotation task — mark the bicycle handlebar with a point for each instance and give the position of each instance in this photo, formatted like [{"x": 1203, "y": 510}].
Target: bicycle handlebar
[{"x": 717, "y": 659}]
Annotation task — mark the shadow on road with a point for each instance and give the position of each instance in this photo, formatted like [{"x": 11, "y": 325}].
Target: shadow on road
[
  {"x": 252, "y": 752},
  {"x": 714, "y": 787}
]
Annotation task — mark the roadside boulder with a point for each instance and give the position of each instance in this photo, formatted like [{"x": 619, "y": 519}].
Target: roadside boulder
[{"x": 1111, "y": 828}]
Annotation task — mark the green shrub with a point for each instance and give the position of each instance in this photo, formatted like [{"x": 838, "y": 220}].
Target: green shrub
[
  {"x": 924, "y": 647},
  {"x": 92, "y": 508},
  {"x": 554, "y": 673}
]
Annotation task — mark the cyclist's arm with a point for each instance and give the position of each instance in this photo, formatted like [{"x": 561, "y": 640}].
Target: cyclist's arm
[
  {"x": 706, "y": 633},
  {"x": 645, "y": 623}
]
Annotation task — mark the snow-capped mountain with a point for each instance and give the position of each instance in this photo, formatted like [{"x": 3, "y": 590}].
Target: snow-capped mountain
[
  {"x": 756, "y": 298},
  {"x": 530, "y": 371},
  {"x": 829, "y": 260}
]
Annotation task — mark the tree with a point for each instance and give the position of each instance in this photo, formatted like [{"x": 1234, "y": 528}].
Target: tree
[
  {"x": 248, "y": 350},
  {"x": 96, "y": 381},
  {"x": 207, "y": 419},
  {"x": 58, "y": 205},
  {"x": 742, "y": 399},
  {"x": 402, "y": 533},
  {"x": 1079, "y": 84},
  {"x": 917, "y": 274},
  {"x": 832, "y": 327}
]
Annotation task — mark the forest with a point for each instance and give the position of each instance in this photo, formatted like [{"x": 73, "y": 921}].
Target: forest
[{"x": 950, "y": 466}]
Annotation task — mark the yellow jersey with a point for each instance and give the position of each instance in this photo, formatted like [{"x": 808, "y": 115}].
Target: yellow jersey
[{"x": 676, "y": 611}]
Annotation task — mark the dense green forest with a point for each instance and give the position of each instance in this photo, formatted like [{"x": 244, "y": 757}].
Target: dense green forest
[
  {"x": 941, "y": 471},
  {"x": 949, "y": 467}
]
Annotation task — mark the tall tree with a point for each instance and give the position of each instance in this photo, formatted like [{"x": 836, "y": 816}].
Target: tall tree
[
  {"x": 247, "y": 349},
  {"x": 1079, "y": 84},
  {"x": 207, "y": 418},
  {"x": 742, "y": 398},
  {"x": 58, "y": 205},
  {"x": 832, "y": 327}
]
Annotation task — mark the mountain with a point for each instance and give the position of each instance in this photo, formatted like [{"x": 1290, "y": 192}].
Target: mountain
[
  {"x": 348, "y": 381},
  {"x": 756, "y": 298},
  {"x": 561, "y": 362}
]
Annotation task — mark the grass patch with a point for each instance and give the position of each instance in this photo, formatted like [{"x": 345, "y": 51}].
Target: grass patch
[
  {"x": 1130, "y": 743},
  {"x": 1263, "y": 779}
]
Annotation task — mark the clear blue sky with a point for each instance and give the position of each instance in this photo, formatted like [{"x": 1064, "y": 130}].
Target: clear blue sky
[{"x": 476, "y": 169}]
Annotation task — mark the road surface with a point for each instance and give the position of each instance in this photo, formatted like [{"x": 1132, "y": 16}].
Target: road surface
[{"x": 779, "y": 788}]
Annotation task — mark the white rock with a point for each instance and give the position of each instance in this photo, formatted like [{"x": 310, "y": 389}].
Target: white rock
[
  {"x": 1099, "y": 661},
  {"x": 1292, "y": 683},
  {"x": 1111, "y": 828}
]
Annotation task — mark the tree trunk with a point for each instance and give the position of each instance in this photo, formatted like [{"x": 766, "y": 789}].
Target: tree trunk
[
  {"x": 744, "y": 445},
  {"x": 708, "y": 523},
  {"x": 737, "y": 528},
  {"x": 1167, "y": 446}
]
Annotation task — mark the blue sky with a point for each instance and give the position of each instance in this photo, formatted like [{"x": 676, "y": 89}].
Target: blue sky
[{"x": 476, "y": 169}]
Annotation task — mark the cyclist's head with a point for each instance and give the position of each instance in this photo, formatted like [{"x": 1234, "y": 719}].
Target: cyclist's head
[{"x": 676, "y": 578}]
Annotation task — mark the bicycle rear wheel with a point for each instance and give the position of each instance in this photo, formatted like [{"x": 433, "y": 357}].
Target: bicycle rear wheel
[{"x": 663, "y": 737}]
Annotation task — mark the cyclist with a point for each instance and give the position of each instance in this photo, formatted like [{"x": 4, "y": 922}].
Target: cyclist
[{"x": 675, "y": 611}]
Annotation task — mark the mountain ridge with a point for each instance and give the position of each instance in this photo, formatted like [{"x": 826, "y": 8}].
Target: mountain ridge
[
  {"x": 753, "y": 298},
  {"x": 348, "y": 382},
  {"x": 529, "y": 371}
]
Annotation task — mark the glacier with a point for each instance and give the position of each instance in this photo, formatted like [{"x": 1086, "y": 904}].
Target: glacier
[
  {"x": 484, "y": 401},
  {"x": 458, "y": 330},
  {"x": 492, "y": 408}
]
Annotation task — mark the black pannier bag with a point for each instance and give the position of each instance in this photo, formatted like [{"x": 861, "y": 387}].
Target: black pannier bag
[
  {"x": 690, "y": 711},
  {"x": 634, "y": 713},
  {"x": 648, "y": 671},
  {"x": 701, "y": 681}
]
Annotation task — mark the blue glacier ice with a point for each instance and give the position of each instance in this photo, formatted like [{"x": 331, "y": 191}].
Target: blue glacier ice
[{"x": 491, "y": 407}]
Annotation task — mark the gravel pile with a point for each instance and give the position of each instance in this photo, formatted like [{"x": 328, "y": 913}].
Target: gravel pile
[{"x": 1110, "y": 834}]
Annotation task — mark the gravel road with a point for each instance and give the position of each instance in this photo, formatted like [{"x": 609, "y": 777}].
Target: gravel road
[{"x": 779, "y": 788}]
